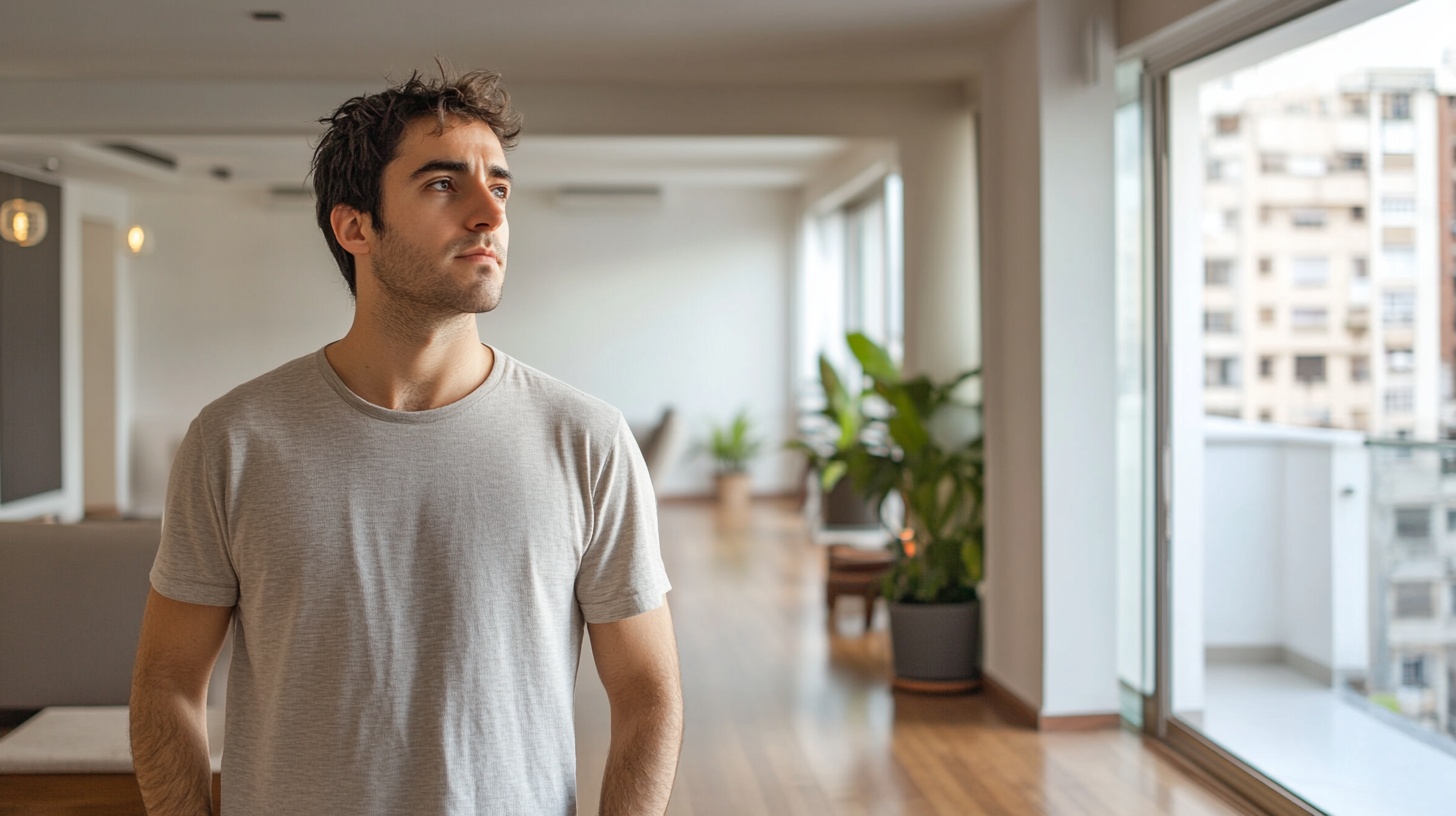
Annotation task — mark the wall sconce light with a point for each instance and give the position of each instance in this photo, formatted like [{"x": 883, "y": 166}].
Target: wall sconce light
[
  {"x": 23, "y": 221},
  {"x": 139, "y": 241}
]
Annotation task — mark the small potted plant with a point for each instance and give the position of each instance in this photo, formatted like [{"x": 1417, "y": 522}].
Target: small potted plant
[
  {"x": 732, "y": 447},
  {"x": 925, "y": 445}
]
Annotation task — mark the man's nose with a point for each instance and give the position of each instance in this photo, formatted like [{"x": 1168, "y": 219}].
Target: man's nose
[{"x": 487, "y": 212}]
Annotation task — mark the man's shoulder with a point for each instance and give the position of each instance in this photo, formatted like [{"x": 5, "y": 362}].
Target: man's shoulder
[
  {"x": 559, "y": 400},
  {"x": 266, "y": 395}
]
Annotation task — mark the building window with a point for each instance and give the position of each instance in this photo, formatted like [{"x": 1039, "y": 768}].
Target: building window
[
  {"x": 1399, "y": 260},
  {"x": 1266, "y": 367},
  {"x": 1309, "y": 318},
  {"x": 1359, "y": 368},
  {"x": 1397, "y": 204},
  {"x": 1273, "y": 163},
  {"x": 1413, "y": 671},
  {"x": 1413, "y": 599},
  {"x": 1307, "y": 166},
  {"x": 1357, "y": 213},
  {"x": 1451, "y": 521},
  {"x": 1218, "y": 271},
  {"x": 1360, "y": 267},
  {"x": 1356, "y": 105},
  {"x": 1266, "y": 265},
  {"x": 1215, "y": 170},
  {"x": 1413, "y": 523},
  {"x": 1396, "y": 106},
  {"x": 1309, "y": 368},
  {"x": 1226, "y": 124},
  {"x": 1266, "y": 315},
  {"x": 1266, "y": 414},
  {"x": 1400, "y": 401},
  {"x": 1400, "y": 360},
  {"x": 1218, "y": 322},
  {"x": 1231, "y": 219},
  {"x": 1311, "y": 270},
  {"x": 1399, "y": 309},
  {"x": 1353, "y": 162},
  {"x": 1307, "y": 218},
  {"x": 1221, "y": 372}
]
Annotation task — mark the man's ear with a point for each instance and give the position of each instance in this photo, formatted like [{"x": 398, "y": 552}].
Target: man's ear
[{"x": 352, "y": 229}]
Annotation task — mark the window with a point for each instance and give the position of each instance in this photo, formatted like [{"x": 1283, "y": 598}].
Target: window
[
  {"x": 1356, "y": 105},
  {"x": 1413, "y": 671},
  {"x": 1357, "y": 213},
  {"x": 1215, "y": 170},
  {"x": 1307, "y": 166},
  {"x": 1266, "y": 415},
  {"x": 1353, "y": 162},
  {"x": 1273, "y": 163},
  {"x": 1309, "y": 318},
  {"x": 1396, "y": 106},
  {"x": 1307, "y": 218},
  {"x": 1266, "y": 367},
  {"x": 1231, "y": 219},
  {"x": 1359, "y": 368},
  {"x": 1400, "y": 401},
  {"x": 1399, "y": 309},
  {"x": 1218, "y": 322},
  {"x": 1218, "y": 271},
  {"x": 1451, "y": 521},
  {"x": 1413, "y": 522},
  {"x": 1266, "y": 315},
  {"x": 1312, "y": 270},
  {"x": 1399, "y": 261},
  {"x": 1266, "y": 265},
  {"x": 1413, "y": 600},
  {"x": 1397, "y": 204},
  {"x": 1309, "y": 368},
  {"x": 1226, "y": 124},
  {"x": 1400, "y": 360},
  {"x": 1360, "y": 267},
  {"x": 1221, "y": 372}
]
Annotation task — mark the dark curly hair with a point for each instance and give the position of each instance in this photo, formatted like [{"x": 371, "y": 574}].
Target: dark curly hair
[{"x": 364, "y": 134}]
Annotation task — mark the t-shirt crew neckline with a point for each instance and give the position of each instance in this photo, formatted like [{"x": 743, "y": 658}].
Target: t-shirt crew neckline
[{"x": 363, "y": 406}]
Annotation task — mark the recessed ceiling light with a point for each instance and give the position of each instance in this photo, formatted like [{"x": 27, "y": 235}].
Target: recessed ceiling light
[{"x": 276, "y": 16}]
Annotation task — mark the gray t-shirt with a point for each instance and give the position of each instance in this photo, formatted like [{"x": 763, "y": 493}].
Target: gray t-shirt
[{"x": 410, "y": 586}]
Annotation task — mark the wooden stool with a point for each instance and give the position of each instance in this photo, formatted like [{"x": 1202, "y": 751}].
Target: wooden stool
[{"x": 855, "y": 571}]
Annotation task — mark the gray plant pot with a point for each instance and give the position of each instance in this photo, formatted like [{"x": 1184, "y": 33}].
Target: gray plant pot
[{"x": 936, "y": 642}]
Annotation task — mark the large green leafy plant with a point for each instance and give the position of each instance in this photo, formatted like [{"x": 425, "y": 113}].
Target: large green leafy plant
[{"x": 913, "y": 437}]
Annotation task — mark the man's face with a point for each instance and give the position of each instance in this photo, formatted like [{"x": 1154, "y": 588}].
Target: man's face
[{"x": 443, "y": 203}]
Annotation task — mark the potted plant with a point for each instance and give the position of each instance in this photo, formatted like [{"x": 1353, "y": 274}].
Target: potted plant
[
  {"x": 925, "y": 445},
  {"x": 827, "y": 448},
  {"x": 732, "y": 447}
]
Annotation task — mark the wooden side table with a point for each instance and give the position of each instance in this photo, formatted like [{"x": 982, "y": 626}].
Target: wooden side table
[{"x": 856, "y": 571}]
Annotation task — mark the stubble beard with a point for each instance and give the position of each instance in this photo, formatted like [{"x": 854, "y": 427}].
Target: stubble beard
[{"x": 423, "y": 285}]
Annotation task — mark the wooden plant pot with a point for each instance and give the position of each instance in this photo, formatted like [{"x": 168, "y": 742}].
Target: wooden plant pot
[
  {"x": 936, "y": 647},
  {"x": 734, "y": 492}
]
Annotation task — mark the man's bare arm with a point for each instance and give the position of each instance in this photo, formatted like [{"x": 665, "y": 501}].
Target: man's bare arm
[
  {"x": 636, "y": 659},
  {"x": 179, "y": 645}
]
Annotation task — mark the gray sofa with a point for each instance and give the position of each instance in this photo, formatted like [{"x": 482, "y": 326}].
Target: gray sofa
[{"x": 71, "y": 601}]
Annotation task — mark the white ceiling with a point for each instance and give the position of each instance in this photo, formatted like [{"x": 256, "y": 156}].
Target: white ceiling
[
  {"x": 255, "y": 162},
  {"x": 527, "y": 40},
  {"x": 636, "y": 41}
]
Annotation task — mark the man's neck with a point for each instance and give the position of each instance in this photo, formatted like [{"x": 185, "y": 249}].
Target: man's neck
[{"x": 429, "y": 367}]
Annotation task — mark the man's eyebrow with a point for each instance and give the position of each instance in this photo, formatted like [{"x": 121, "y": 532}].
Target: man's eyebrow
[{"x": 455, "y": 166}]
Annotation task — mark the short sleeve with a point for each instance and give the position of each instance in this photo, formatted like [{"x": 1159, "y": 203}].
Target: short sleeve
[
  {"x": 193, "y": 564},
  {"x": 621, "y": 572}
]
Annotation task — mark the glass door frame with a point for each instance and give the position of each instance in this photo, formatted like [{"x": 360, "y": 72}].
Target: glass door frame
[{"x": 1181, "y": 45}]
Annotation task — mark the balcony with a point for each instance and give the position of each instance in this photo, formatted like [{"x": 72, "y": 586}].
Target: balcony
[{"x": 1328, "y": 626}]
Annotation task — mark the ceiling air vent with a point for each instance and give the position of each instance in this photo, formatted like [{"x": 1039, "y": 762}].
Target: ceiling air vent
[{"x": 146, "y": 156}]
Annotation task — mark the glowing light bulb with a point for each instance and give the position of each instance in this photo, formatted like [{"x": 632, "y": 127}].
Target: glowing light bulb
[
  {"x": 22, "y": 222},
  {"x": 136, "y": 238}
]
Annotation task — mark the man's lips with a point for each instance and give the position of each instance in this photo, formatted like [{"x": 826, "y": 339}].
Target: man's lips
[{"x": 479, "y": 254}]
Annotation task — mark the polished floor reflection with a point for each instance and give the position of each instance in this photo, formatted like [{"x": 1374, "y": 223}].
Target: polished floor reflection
[{"x": 786, "y": 715}]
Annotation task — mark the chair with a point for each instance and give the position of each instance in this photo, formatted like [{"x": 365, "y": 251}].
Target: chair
[{"x": 856, "y": 571}]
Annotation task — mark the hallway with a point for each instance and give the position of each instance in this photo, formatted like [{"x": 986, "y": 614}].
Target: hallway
[{"x": 785, "y": 717}]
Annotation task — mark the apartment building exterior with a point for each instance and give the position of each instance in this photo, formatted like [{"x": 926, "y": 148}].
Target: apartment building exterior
[{"x": 1329, "y": 301}]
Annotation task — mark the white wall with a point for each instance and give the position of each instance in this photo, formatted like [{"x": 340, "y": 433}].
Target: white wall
[{"x": 684, "y": 306}]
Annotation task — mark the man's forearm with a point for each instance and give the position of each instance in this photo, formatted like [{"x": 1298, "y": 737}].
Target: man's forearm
[
  {"x": 169, "y": 752},
  {"x": 642, "y": 759}
]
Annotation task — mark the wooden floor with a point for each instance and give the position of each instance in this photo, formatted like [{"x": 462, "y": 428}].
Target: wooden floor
[{"x": 785, "y": 716}]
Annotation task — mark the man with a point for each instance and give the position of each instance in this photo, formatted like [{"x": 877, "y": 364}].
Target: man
[{"x": 407, "y": 529}]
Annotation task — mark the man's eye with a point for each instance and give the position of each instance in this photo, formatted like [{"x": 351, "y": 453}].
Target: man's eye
[
  {"x": 441, "y": 184},
  {"x": 501, "y": 192}
]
